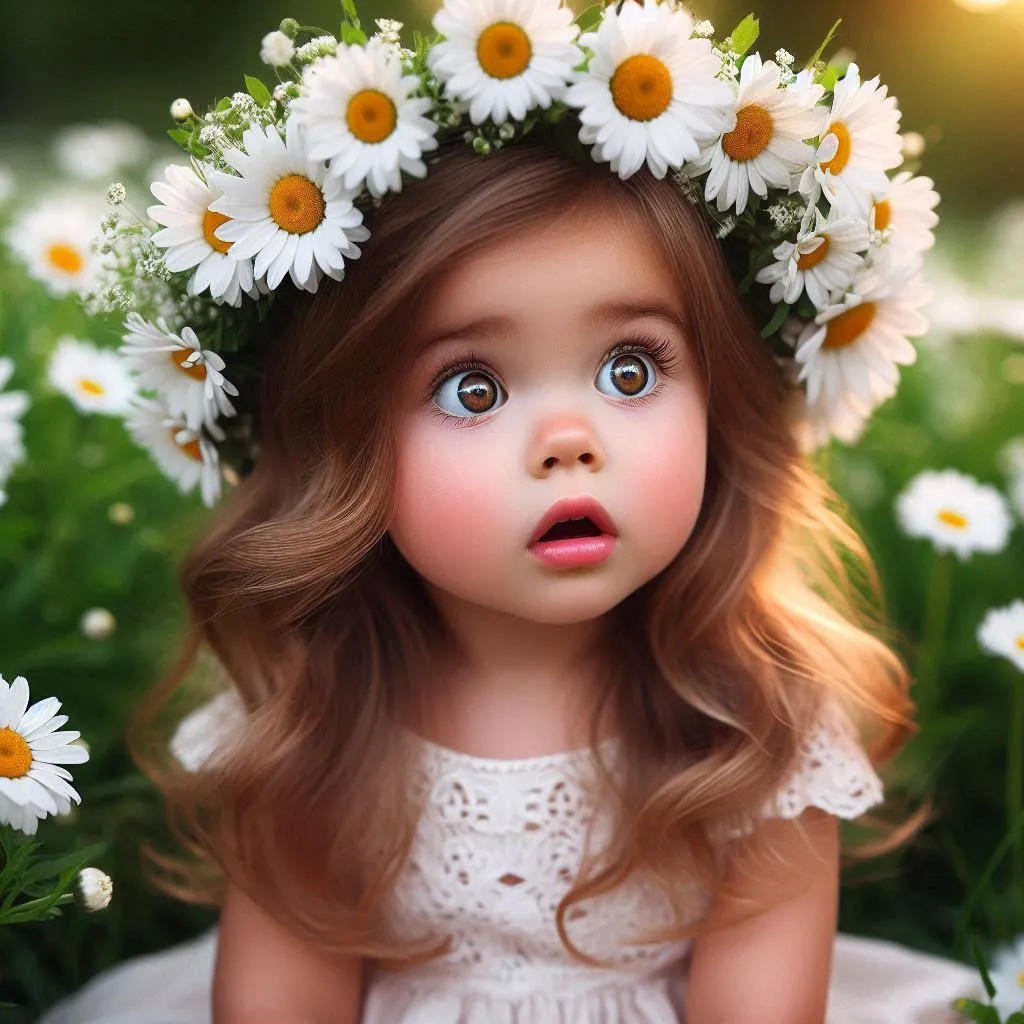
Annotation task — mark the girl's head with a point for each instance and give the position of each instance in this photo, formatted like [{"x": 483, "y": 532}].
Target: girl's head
[{"x": 519, "y": 329}]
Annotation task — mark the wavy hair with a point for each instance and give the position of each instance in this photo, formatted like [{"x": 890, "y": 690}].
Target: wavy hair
[{"x": 772, "y": 607}]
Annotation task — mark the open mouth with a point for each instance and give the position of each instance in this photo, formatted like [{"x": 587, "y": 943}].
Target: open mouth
[{"x": 570, "y": 529}]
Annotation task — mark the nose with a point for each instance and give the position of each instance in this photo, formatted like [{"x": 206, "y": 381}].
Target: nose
[{"x": 563, "y": 442}]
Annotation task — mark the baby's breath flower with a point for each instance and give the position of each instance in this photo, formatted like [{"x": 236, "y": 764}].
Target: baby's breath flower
[
  {"x": 388, "y": 30},
  {"x": 726, "y": 228},
  {"x": 785, "y": 216},
  {"x": 116, "y": 193},
  {"x": 321, "y": 46},
  {"x": 784, "y": 58},
  {"x": 704, "y": 29},
  {"x": 277, "y": 49},
  {"x": 285, "y": 91},
  {"x": 214, "y": 136},
  {"x": 730, "y": 67}
]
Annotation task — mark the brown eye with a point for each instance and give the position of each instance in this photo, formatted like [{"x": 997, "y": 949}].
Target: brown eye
[
  {"x": 468, "y": 394},
  {"x": 629, "y": 374}
]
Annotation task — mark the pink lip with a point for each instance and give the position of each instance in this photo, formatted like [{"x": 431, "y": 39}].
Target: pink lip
[{"x": 576, "y": 551}]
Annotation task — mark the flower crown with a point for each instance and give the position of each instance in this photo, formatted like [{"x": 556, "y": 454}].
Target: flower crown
[{"x": 790, "y": 167}]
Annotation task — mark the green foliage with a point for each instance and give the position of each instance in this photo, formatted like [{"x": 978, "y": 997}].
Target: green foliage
[
  {"x": 830, "y": 35},
  {"x": 744, "y": 35},
  {"x": 258, "y": 91}
]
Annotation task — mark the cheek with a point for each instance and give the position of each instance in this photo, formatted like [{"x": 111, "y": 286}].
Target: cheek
[{"x": 448, "y": 506}]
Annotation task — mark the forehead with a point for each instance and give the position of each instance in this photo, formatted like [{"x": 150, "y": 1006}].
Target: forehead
[{"x": 572, "y": 269}]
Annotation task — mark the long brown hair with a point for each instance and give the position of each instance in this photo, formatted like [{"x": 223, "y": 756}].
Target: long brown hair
[{"x": 720, "y": 663}]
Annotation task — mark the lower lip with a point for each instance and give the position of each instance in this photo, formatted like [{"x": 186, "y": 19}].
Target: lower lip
[{"x": 574, "y": 553}]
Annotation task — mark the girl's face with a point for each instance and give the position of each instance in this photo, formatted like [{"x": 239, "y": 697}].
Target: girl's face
[{"x": 551, "y": 366}]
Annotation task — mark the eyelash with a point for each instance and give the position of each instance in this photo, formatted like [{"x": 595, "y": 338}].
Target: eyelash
[{"x": 660, "y": 351}]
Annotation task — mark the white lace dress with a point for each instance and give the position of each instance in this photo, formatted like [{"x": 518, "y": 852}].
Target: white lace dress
[{"x": 497, "y": 848}]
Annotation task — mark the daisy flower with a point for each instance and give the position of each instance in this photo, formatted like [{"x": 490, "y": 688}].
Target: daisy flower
[
  {"x": 361, "y": 113},
  {"x": 822, "y": 261},
  {"x": 95, "y": 889},
  {"x": 54, "y": 239},
  {"x": 13, "y": 405},
  {"x": 285, "y": 211},
  {"x": 504, "y": 57},
  {"x": 906, "y": 210},
  {"x": 188, "y": 236},
  {"x": 186, "y": 456},
  {"x": 850, "y": 352},
  {"x": 95, "y": 379},
  {"x": 817, "y": 423},
  {"x": 33, "y": 784},
  {"x": 955, "y": 513},
  {"x": 1007, "y": 974},
  {"x": 861, "y": 143},
  {"x": 767, "y": 147},
  {"x": 190, "y": 379},
  {"x": 96, "y": 151},
  {"x": 1002, "y": 633},
  {"x": 650, "y": 92}
]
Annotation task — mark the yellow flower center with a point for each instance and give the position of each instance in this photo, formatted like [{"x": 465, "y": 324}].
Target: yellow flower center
[
  {"x": 91, "y": 387},
  {"x": 883, "y": 214},
  {"x": 642, "y": 87},
  {"x": 1019, "y": 641},
  {"x": 212, "y": 221},
  {"x": 65, "y": 257},
  {"x": 197, "y": 371},
  {"x": 504, "y": 50},
  {"x": 809, "y": 260},
  {"x": 189, "y": 448},
  {"x": 838, "y": 163},
  {"x": 846, "y": 328},
  {"x": 951, "y": 518},
  {"x": 297, "y": 204},
  {"x": 15, "y": 755},
  {"x": 750, "y": 137},
  {"x": 371, "y": 116}
]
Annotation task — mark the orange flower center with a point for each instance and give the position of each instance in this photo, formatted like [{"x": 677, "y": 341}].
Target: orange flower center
[
  {"x": 189, "y": 448},
  {"x": 1019, "y": 641},
  {"x": 951, "y": 518},
  {"x": 371, "y": 115},
  {"x": 15, "y": 755},
  {"x": 642, "y": 87},
  {"x": 297, "y": 204},
  {"x": 883, "y": 214},
  {"x": 846, "y": 328},
  {"x": 504, "y": 50},
  {"x": 809, "y": 260},
  {"x": 197, "y": 371},
  {"x": 838, "y": 163},
  {"x": 91, "y": 387},
  {"x": 65, "y": 257},
  {"x": 212, "y": 221},
  {"x": 750, "y": 137}
]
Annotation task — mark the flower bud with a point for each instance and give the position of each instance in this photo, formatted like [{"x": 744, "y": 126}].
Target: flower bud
[
  {"x": 98, "y": 624},
  {"x": 481, "y": 146},
  {"x": 95, "y": 889},
  {"x": 507, "y": 132},
  {"x": 181, "y": 110},
  {"x": 290, "y": 27}
]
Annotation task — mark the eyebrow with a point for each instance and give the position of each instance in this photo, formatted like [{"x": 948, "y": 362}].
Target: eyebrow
[{"x": 614, "y": 312}]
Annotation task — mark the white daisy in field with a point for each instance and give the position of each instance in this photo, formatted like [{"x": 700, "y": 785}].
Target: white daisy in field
[
  {"x": 285, "y": 211},
  {"x": 96, "y": 151},
  {"x": 817, "y": 423},
  {"x": 503, "y": 58},
  {"x": 360, "y": 112},
  {"x": 861, "y": 143},
  {"x": 13, "y": 405},
  {"x": 650, "y": 92},
  {"x": 850, "y": 352},
  {"x": 189, "y": 377},
  {"x": 95, "y": 379},
  {"x": 54, "y": 239},
  {"x": 907, "y": 211},
  {"x": 186, "y": 456},
  {"x": 822, "y": 261},
  {"x": 767, "y": 147},
  {"x": 1002, "y": 632},
  {"x": 188, "y": 236},
  {"x": 1007, "y": 973},
  {"x": 955, "y": 513},
  {"x": 204, "y": 732},
  {"x": 33, "y": 785}
]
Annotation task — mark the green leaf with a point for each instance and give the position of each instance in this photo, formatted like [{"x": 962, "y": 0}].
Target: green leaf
[
  {"x": 349, "y": 7},
  {"x": 979, "y": 959},
  {"x": 828, "y": 78},
  {"x": 50, "y": 867},
  {"x": 223, "y": 104},
  {"x": 978, "y": 1012},
  {"x": 813, "y": 62},
  {"x": 352, "y": 35},
  {"x": 180, "y": 135},
  {"x": 1017, "y": 1017},
  {"x": 777, "y": 320},
  {"x": 590, "y": 17},
  {"x": 744, "y": 35},
  {"x": 258, "y": 91}
]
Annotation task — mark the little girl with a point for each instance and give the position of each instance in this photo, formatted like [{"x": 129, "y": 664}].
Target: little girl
[{"x": 548, "y": 673}]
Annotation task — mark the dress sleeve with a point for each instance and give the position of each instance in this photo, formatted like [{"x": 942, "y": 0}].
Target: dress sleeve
[
  {"x": 833, "y": 772},
  {"x": 201, "y": 733}
]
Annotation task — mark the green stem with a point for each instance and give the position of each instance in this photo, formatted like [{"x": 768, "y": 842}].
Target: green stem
[
  {"x": 1015, "y": 784},
  {"x": 936, "y": 615}
]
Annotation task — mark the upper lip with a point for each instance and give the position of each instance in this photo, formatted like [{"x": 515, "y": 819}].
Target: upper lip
[{"x": 579, "y": 507}]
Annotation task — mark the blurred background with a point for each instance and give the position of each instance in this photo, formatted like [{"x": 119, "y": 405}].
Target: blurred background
[{"x": 91, "y": 533}]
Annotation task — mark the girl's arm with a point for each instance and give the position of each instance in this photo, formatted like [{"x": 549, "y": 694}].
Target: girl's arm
[
  {"x": 264, "y": 975},
  {"x": 775, "y": 966}
]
